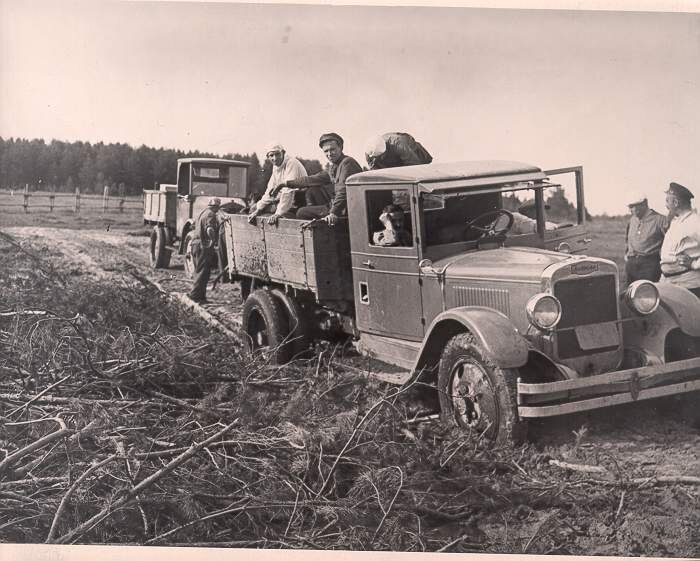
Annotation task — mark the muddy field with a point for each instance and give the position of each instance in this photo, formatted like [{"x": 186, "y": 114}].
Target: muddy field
[{"x": 128, "y": 419}]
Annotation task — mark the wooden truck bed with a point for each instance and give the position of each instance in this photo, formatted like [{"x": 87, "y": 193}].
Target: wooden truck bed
[
  {"x": 315, "y": 258},
  {"x": 160, "y": 207}
]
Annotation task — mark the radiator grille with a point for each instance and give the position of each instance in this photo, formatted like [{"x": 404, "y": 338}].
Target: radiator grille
[
  {"x": 489, "y": 297},
  {"x": 584, "y": 301}
]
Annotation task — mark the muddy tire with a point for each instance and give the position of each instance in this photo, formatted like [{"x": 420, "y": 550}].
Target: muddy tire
[
  {"x": 298, "y": 339},
  {"x": 476, "y": 395},
  {"x": 266, "y": 326},
  {"x": 189, "y": 258},
  {"x": 159, "y": 253}
]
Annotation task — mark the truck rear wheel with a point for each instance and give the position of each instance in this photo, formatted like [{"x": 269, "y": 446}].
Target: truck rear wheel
[
  {"x": 476, "y": 395},
  {"x": 189, "y": 259},
  {"x": 266, "y": 326},
  {"x": 159, "y": 254},
  {"x": 298, "y": 339}
]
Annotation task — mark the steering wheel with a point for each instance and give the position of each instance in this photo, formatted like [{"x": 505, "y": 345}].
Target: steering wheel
[{"x": 489, "y": 225}]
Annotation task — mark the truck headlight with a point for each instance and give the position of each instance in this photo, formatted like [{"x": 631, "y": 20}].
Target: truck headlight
[
  {"x": 543, "y": 311},
  {"x": 642, "y": 296}
]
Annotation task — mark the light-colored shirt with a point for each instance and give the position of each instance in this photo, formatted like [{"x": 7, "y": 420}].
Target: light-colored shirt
[
  {"x": 288, "y": 170},
  {"x": 525, "y": 225},
  {"x": 646, "y": 234},
  {"x": 683, "y": 236}
]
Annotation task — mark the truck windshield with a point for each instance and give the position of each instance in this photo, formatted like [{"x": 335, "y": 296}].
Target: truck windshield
[
  {"x": 446, "y": 214},
  {"x": 210, "y": 180}
]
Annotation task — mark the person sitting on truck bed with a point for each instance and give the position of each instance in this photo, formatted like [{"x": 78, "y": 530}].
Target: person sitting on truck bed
[
  {"x": 340, "y": 168},
  {"x": 394, "y": 233},
  {"x": 395, "y": 149},
  {"x": 205, "y": 235},
  {"x": 284, "y": 168}
]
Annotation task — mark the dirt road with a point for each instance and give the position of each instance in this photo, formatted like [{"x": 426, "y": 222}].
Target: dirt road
[{"x": 639, "y": 443}]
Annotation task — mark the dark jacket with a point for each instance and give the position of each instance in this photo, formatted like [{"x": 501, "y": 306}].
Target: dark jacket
[
  {"x": 401, "y": 150},
  {"x": 206, "y": 221},
  {"x": 336, "y": 175}
]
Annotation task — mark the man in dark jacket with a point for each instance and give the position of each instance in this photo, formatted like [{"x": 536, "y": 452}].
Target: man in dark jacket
[
  {"x": 340, "y": 168},
  {"x": 395, "y": 149},
  {"x": 205, "y": 234}
]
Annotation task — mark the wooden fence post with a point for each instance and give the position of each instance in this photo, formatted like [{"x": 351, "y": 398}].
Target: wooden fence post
[
  {"x": 77, "y": 200},
  {"x": 26, "y": 197},
  {"x": 52, "y": 197},
  {"x": 105, "y": 198}
]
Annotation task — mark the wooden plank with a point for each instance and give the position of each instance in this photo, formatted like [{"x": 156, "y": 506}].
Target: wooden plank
[{"x": 527, "y": 412}]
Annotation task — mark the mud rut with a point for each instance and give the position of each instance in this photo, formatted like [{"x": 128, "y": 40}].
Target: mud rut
[{"x": 659, "y": 445}]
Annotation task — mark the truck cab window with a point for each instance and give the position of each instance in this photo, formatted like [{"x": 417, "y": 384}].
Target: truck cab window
[{"x": 389, "y": 221}]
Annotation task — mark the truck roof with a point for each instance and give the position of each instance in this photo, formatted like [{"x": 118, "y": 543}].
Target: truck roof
[
  {"x": 212, "y": 161},
  {"x": 453, "y": 175}
]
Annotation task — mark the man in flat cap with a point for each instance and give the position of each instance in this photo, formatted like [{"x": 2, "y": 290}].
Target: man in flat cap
[
  {"x": 680, "y": 251},
  {"x": 284, "y": 168},
  {"x": 395, "y": 149},
  {"x": 339, "y": 169},
  {"x": 205, "y": 235},
  {"x": 643, "y": 238}
]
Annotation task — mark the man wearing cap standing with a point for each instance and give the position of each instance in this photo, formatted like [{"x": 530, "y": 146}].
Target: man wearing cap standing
[
  {"x": 284, "y": 168},
  {"x": 205, "y": 234},
  {"x": 643, "y": 238},
  {"x": 395, "y": 149},
  {"x": 340, "y": 168},
  {"x": 680, "y": 251}
]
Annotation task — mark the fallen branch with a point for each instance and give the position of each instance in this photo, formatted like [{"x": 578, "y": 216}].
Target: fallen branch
[
  {"x": 131, "y": 494},
  {"x": 641, "y": 481}
]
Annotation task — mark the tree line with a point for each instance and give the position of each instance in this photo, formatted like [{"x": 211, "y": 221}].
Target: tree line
[{"x": 63, "y": 166}]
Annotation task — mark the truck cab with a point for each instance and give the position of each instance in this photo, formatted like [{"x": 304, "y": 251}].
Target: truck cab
[
  {"x": 173, "y": 208},
  {"x": 503, "y": 324}
]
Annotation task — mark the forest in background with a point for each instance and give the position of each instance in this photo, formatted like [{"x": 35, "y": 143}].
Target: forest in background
[{"x": 64, "y": 166}]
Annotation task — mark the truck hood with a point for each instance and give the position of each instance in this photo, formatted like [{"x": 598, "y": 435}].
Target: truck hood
[{"x": 506, "y": 263}]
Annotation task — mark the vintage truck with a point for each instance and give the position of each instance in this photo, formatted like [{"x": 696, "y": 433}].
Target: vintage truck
[
  {"x": 499, "y": 327},
  {"x": 172, "y": 209}
]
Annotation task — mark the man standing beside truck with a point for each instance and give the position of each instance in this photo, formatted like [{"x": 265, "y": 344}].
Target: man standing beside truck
[
  {"x": 680, "y": 251},
  {"x": 643, "y": 238},
  {"x": 340, "y": 168},
  {"x": 205, "y": 235},
  {"x": 284, "y": 168}
]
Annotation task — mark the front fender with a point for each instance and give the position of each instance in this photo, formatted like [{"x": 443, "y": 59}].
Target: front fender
[
  {"x": 682, "y": 305},
  {"x": 501, "y": 342}
]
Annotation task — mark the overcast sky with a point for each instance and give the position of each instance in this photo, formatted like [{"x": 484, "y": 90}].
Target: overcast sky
[{"x": 618, "y": 93}]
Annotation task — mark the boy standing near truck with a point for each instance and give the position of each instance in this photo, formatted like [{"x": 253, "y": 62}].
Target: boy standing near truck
[{"x": 206, "y": 233}]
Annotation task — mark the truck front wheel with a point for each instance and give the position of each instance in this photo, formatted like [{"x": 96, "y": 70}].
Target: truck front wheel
[
  {"x": 476, "y": 395},
  {"x": 159, "y": 254},
  {"x": 266, "y": 326}
]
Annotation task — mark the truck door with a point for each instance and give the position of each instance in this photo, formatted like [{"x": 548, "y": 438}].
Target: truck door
[{"x": 386, "y": 280}]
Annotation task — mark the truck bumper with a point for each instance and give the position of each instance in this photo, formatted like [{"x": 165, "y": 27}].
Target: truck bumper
[{"x": 606, "y": 390}]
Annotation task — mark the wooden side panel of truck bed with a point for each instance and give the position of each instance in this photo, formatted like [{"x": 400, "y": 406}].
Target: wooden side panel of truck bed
[
  {"x": 160, "y": 207},
  {"x": 316, "y": 258}
]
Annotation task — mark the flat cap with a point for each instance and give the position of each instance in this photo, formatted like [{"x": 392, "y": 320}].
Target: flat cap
[
  {"x": 330, "y": 136},
  {"x": 214, "y": 201},
  {"x": 679, "y": 191},
  {"x": 637, "y": 199},
  {"x": 527, "y": 205}
]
